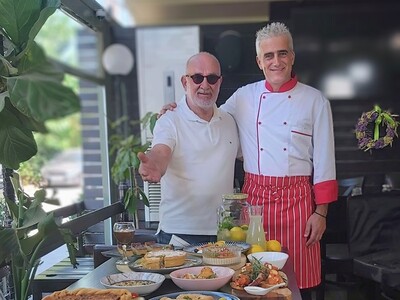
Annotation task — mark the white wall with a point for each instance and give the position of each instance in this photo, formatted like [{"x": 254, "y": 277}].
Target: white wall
[{"x": 162, "y": 53}]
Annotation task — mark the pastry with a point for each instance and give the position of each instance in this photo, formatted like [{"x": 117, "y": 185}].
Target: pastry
[
  {"x": 163, "y": 259},
  {"x": 90, "y": 294}
]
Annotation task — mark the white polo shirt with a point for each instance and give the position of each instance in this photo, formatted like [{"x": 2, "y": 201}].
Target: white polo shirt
[{"x": 200, "y": 171}]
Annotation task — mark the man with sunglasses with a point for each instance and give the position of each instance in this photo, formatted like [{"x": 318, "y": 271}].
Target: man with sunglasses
[{"x": 193, "y": 155}]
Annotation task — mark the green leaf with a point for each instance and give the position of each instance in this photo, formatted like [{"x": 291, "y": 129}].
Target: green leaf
[
  {"x": 70, "y": 240},
  {"x": 3, "y": 100},
  {"x": 6, "y": 68},
  {"x": 47, "y": 9},
  {"x": 153, "y": 121},
  {"x": 47, "y": 225},
  {"x": 41, "y": 97},
  {"x": 17, "y": 143},
  {"x": 9, "y": 242},
  {"x": 135, "y": 162},
  {"x": 142, "y": 148},
  {"x": 33, "y": 214},
  {"x": 18, "y": 20},
  {"x": 34, "y": 58},
  {"x": 28, "y": 122},
  {"x": 28, "y": 244},
  {"x": 144, "y": 197},
  {"x": 24, "y": 19}
]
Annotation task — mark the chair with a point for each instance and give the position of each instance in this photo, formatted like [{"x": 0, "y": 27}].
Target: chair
[
  {"x": 392, "y": 181},
  {"x": 335, "y": 256},
  {"x": 374, "y": 240}
]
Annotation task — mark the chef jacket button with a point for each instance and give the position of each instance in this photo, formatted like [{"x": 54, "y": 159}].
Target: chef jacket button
[
  {"x": 259, "y": 123},
  {"x": 289, "y": 96},
  {"x": 263, "y": 97},
  {"x": 284, "y": 149},
  {"x": 284, "y": 123},
  {"x": 261, "y": 149}
]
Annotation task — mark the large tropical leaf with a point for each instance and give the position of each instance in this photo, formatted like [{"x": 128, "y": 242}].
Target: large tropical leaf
[
  {"x": 18, "y": 20},
  {"x": 24, "y": 19},
  {"x": 25, "y": 121},
  {"x": 9, "y": 243},
  {"x": 6, "y": 68},
  {"x": 34, "y": 58},
  {"x": 17, "y": 143},
  {"x": 3, "y": 99},
  {"x": 40, "y": 97}
]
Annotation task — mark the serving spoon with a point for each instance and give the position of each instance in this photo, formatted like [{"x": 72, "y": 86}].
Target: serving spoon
[{"x": 259, "y": 291}]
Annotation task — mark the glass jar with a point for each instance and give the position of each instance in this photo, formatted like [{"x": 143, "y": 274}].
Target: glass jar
[{"x": 233, "y": 218}]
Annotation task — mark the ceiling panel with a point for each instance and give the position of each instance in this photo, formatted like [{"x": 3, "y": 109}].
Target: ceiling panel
[{"x": 176, "y": 12}]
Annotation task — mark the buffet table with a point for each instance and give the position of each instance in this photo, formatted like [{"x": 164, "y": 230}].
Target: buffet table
[{"x": 92, "y": 280}]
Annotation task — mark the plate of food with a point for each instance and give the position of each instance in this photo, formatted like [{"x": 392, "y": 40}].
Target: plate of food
[
  {"x": 196, "y": 295},
  {"x": 262, "y": 275},
  {"x": 197, "y": 249},
  {"x": 137, "y": 250},
  {"x": 164, "y": 261}
]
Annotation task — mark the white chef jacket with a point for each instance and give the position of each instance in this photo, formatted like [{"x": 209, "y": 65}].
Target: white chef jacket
[{"x": 285, "y": 133}]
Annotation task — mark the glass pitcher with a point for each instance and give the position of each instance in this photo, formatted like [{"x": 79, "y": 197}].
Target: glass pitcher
[{"x": 255, "y": 233}]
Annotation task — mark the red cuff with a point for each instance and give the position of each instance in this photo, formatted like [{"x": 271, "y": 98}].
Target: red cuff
[{"x": 326, "y": 192}]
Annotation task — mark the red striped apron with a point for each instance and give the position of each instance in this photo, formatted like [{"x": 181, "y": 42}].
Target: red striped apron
[{"x": 288, "y": 203}]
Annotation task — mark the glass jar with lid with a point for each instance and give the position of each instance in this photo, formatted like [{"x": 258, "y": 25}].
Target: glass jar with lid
[{"x": 233, "y": 218}]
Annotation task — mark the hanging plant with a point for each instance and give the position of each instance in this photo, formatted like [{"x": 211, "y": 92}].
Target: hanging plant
[{"x": 370, "y": 139}]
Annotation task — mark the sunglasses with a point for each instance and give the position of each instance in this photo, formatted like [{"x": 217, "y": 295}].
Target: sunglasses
[{"x": 198, "y": 78}]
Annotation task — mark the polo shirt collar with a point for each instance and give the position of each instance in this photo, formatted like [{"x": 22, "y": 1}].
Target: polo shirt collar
[{"x": 191, "y": 116}]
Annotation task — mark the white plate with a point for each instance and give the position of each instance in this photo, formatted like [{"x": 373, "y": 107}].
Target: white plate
[
  {"x": 110, "y": 280},
  {"x": 193, "y": 249},
  {"x": 191, "y": 261},
  {"x": 216, "y": 295}
]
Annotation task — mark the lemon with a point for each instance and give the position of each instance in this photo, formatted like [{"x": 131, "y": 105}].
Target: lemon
[
  {"x": 220, "y": 243},
  {"x": 244, "y": 227},
  {"x": 273, "y": 245},
  {"x": 255, "y": 248},
  {"x": 237, "y": 234},
  {"x": 223, "y": 234}
]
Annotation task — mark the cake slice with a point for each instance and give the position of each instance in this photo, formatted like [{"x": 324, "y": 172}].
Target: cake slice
[{"x": 163, "y": 259}]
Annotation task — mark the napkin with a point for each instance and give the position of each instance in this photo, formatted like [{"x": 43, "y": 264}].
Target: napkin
[{"x": 178, "y": 242}]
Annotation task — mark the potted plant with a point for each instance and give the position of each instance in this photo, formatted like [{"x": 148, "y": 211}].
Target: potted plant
[
  {"x": 31, "y": 86},
  {"x": 21, "y": 245},
  {"x": 125, "y": 167},
  {"x": 31, "y": 92}
]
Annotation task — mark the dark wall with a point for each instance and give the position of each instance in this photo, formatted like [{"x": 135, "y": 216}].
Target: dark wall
[
  {"x": 224, "y": 41},
  {"x": 354, "y": 30},
  {"x": 234, "y": 46},
  {"x": 329, "y": 37}
]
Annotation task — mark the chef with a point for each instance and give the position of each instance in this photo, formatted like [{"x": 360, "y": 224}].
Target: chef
[{"x": 286, "y": 135}]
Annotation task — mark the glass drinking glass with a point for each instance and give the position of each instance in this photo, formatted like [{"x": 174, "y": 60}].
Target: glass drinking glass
[{"x": 124, "y": 233}]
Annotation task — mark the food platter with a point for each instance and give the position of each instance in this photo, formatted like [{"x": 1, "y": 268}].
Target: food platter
[
  {"x": 116, "y": 253},
  {"x": 195, "y": 249},
  {"x": 215, "y": 295},
  {"x": 191, "y": 261}
]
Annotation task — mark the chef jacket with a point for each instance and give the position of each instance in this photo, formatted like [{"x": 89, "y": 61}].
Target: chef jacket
[{"x": 286, "y": 133}]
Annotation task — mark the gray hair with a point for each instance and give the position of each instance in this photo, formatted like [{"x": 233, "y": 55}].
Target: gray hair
[{"x": 273, "y": 30}]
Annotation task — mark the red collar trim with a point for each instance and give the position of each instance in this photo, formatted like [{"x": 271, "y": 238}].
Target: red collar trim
[{"x": 285, "y": 87}]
